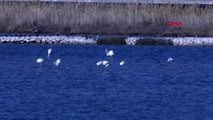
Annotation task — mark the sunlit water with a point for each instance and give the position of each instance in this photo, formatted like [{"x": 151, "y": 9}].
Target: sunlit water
[{"x": 145, "y": 88}]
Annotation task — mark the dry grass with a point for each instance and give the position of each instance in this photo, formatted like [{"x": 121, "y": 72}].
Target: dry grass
[{"x": 102, "y": 18}]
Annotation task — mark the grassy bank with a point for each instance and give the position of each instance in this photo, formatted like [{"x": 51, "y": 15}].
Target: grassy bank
[{"x": 102, "y": 18}]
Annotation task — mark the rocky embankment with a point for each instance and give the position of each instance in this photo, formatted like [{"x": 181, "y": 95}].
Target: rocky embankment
[
  {"x": 107, "y": 40},
  {"x": 47, "y": 39}
]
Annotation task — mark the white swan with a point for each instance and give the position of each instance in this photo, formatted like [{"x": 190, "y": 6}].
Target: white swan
[
  {"x": 170, "y": 60},
  {"x": 107, "y": 65},
  {"x": 105, "y": 62},
  {"x": 57, "y": 62},
  {"x": 39, "y": 60},
  {"x": 109, "y": 53},
  {"x": 99, "y": 63},
  {"x": 49, "y": 51},
  {"x": 122, "y": 63}
]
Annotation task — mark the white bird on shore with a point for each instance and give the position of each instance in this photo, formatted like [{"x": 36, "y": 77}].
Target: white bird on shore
[
  {"x": 57, "y": 62},
  {"x": 122, "y": 63},
  {"x": 49, "y": 51},
  {"x": 39, "y": 60},
  {"x": 99, "y": 63},
  {"x": 170, "y": 60},
  {"x": 109, "y": 53}
]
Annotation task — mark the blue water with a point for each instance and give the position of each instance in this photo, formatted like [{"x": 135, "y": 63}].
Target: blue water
[{"x": 145, "y": 88}]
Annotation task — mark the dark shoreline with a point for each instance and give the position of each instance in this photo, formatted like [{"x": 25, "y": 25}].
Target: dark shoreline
[
  {"x": 106, "y": 18},
  {"x": 103, "y": 39}
]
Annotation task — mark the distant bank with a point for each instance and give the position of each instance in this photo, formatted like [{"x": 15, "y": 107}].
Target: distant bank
[
  {"x": 131, "y": 1},
  {"x": 106, "y": 18}
]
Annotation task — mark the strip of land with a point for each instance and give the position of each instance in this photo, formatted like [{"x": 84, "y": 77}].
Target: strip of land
[
  {"x": 105, "y": 18},
  {"x": 132, "y": 1},
  {"x": 103, "y": 40}
]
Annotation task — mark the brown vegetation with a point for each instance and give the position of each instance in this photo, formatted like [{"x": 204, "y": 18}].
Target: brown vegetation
[{"x": 106, "y": 18}]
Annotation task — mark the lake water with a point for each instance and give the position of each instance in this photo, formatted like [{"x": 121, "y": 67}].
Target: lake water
[{"x": 145, "y": 88}]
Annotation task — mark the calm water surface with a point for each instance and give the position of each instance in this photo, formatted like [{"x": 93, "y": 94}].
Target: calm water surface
[{"x": 145, "y": 88}]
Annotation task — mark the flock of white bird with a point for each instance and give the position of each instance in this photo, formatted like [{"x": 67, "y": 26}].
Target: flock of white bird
[
  {"x": 40, "y": 60},
  {"x": 109, "y": 53}
]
